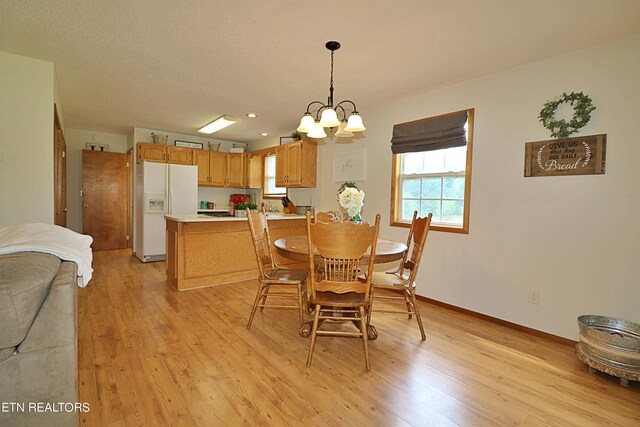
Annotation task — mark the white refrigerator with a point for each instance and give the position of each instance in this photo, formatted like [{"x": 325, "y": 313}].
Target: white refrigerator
[{"x": 161, "y": 189}]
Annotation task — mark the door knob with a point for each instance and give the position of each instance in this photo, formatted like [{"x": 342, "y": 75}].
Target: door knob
[
  {"x": 64, "y": 210},
  {"x": 85, "y": 206}
]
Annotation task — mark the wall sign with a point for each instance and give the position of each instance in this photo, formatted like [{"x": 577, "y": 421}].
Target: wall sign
[
  {"x": 584, "y": 155},
  {"x": 349, "y": 166},
  {"x": 189, "y": 144}
]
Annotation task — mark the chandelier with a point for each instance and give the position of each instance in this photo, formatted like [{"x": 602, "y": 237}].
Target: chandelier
[{"x": 344, "y": 114}]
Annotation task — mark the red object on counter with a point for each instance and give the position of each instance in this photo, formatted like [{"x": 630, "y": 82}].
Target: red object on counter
[{"x": 235, "y": 199}]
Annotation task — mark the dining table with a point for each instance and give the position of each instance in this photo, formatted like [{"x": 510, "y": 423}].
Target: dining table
[{"x": 297, "y": 248}]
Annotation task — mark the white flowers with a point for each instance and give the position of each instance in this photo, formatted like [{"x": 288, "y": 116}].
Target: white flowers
[{"x": 352, "y": 200}]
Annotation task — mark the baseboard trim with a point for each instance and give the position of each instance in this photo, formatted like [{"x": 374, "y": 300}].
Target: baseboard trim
[{"x": 501, "y": 322}]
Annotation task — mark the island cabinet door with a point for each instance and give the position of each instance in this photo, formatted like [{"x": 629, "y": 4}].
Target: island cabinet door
[
  {"x": 201, "y": 159},
  {"x": 217, "y": 168}
]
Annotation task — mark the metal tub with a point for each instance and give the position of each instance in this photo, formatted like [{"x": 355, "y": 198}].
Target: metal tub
[{"x": 611, "y": 341}]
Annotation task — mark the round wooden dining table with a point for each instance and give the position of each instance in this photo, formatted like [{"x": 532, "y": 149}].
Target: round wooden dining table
[{"x": 297, "y": 248}]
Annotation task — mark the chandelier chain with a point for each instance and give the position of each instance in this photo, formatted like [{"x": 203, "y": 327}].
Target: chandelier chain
[{"x": 330, "y": 101}]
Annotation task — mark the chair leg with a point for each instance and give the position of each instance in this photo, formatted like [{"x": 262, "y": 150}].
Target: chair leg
[
  {"x": 255, "y": 305},
  {"x": 301, "y": 302},
  {"x": 264, "y": 297},
  {"x": 363, "y": 331},
  {"x": 407, "y": 301},
  {"x": 314, "y": 330},
  {"x": 370, "y": 309},
  {"x": 417, "y": 312}
]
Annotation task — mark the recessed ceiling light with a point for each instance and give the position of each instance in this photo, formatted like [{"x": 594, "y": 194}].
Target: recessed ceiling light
[
  {"x": 251, "y": 115},
  {"x": 264, "y": 134}
]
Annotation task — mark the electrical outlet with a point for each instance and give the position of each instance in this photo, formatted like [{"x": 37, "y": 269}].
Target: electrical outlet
[{"x": 534, "y": 296}]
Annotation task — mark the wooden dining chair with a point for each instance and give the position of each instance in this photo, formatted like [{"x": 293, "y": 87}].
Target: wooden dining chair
[
  {"x": 336, "y": 250},
  {"x": 271, "y": 275},
  {"x": 327, "y": 216},
  {"x": 402, "y": 279}
]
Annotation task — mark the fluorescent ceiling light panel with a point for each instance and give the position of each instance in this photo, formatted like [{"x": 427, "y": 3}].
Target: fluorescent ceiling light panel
[{"x": 217, "y": 124}]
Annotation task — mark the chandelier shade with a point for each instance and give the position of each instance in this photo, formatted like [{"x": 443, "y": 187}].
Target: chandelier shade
[
  {"x": 354, "y": 124},
  {"x": 342, "y": 132},
  {"x": 306, "y": 123},
  {"x": 319, "y": 115},
  {"x": 317, "y": 131}
]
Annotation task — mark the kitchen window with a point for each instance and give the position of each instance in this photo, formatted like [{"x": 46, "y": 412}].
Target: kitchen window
[
  {"x": 431, "y": 171},
  {"x": 270, "y": 190}
]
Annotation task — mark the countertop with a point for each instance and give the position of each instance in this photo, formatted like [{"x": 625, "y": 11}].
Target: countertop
[{"x": 206, "y": 218}]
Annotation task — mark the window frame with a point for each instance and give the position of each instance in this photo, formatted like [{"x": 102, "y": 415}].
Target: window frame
[
  {"x": 396, "y": 185},
  {"x": 265, "y": 195}
]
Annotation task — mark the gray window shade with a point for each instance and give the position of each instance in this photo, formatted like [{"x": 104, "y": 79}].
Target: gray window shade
[{"x": 430, "y": 134}]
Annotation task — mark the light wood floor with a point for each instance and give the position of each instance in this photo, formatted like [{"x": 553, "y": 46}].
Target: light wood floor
[{"x": 151, "y": 356}]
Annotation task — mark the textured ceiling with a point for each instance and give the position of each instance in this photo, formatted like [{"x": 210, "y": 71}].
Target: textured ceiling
[{"x": 175, "y": 66}]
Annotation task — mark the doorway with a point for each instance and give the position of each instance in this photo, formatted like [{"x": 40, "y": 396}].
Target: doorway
[
  {"x": 59, "y": 172},
  {"x": 105, "y": 199}
]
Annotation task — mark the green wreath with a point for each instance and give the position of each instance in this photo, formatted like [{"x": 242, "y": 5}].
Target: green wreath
[{"x": 582, "y": 108}]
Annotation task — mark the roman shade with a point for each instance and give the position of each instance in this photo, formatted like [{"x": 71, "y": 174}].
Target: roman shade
[{"x": 430, "y": 134}]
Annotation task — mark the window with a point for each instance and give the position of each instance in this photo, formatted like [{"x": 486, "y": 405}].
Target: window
[
  {"x": 434, "y": 180},
  {"x": 270, "y": 190}
]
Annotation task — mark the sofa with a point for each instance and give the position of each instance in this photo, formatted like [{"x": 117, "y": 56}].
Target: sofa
[{"x": 38, "y": 341}]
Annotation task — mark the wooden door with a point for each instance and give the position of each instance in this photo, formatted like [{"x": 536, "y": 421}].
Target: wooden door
[
  {"x": 179, "y": 155},
  {"x": 59, "y": 173},
  {"x": 152, "y": 152},
  {"x": 104, "y": 199},
  {"x": 217, "y": 168},
  {"x": 236, "y": 170},
  {"x": 201, "y": 159}
]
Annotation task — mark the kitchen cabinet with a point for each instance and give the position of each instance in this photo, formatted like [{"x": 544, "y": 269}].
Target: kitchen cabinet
[
  {"x": 212, "y": 167},
  {"x": 236, "y": 170},
  {"x": 164, "y": 154},
  {"x": 255, "y": 171},
  {"x": 220, "y": 251},
  {"x": 296, "y": 164},
  {"x": 216, "y": 169}
]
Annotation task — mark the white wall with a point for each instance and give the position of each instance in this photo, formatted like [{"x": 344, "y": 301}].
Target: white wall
[
  {"x": 576, "y": 239},
  {"x": 26, "y": 140},
  {"x": 77, "y": 140}
]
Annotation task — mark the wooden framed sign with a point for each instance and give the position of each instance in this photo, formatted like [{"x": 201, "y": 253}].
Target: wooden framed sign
[{"x": 583, "y": 155}]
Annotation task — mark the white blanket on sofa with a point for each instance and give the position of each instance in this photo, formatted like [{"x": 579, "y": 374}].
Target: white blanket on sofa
[{"x": 59, "y": 241}]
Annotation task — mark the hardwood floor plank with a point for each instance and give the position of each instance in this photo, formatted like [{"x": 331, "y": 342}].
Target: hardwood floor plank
[{"x": 151, "y": 356}]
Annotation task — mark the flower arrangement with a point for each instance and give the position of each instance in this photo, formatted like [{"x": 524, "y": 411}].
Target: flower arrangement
[
  {"x": 238, "y": 201},
  {"x": 352, "y": 200},
  {"x": 582, "y": 108}
]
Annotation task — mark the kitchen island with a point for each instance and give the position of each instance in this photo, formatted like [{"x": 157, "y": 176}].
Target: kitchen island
[{"x": 205, "y": 251}]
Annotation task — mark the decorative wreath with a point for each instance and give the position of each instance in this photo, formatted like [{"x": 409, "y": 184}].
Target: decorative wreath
[{"x": 582, "y": 108}]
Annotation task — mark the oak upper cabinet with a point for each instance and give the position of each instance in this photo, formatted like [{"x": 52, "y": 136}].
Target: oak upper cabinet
[
  {"x": 255, "y": 171},
  {"x": 236, "y": 170},
  {"x": 218, "y": 168},
  {"x": 201, "y": 159},
  {"x": 164, "y": 154},
  {"x": 212, "y": 168},
  {"x": 296, "y": 164}
]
